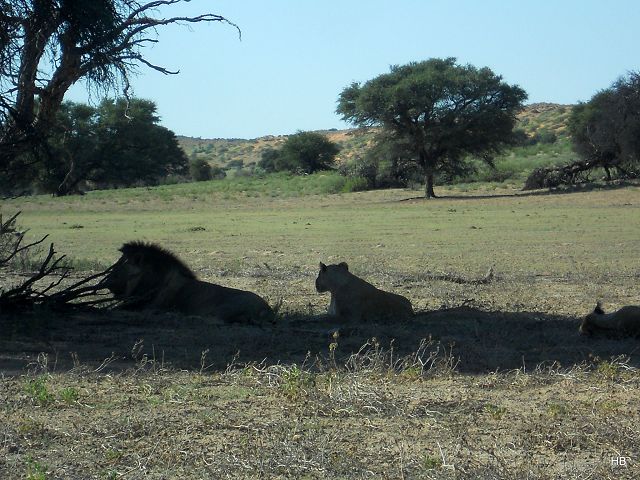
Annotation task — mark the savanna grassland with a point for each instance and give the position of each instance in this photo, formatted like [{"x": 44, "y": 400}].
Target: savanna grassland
[
  {"x": 490, "y": 379},
  {"x": 545, "y": 125}
]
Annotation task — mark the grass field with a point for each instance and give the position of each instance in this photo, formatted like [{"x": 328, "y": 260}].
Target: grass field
[{"x": 488, "y": 381}]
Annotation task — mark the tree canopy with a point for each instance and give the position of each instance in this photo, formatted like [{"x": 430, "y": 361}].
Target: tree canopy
[
  {"x": 605, "y": 131},
  {"x": 48, "y": 45},
  {"x": 118, "y": 143},
  {"x": 441, "y": 111},
  {"x": 303, "y": 152}
]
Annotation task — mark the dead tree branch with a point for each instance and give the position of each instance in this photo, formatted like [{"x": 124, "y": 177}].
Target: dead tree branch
[
  {"x": 455, "y": 278},
  {"x": 27, "y": 294}
]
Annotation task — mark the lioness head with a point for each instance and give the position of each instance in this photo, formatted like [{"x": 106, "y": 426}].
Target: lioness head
[{"x": 331, "y": 276}]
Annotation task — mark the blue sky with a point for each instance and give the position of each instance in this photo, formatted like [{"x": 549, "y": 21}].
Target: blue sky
[{"x": 296, "y": 56}]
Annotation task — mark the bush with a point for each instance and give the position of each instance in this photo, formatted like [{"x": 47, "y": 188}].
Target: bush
[
  {"x": 242, "y": 173},
  {"x": 218, "y": 173},
  {"x": 200, "y": 170},
  {"x": 546, "y": 137},
  {"x": 355, "y": 184},
  {"x": 174, "y": 179},
  {"x": 521, "y": 138},
  {"x": 237, "y": 164},
  {"x": 269, "y": 160},
  {"x": 306, "y": 152},
  {"x": 367, "y": 169}
]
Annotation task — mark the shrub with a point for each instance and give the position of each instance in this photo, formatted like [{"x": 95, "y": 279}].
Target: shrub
[
  {"x": 174, "y": 179},
  {"x": 306, "y": 152},
  {"x": 355, "y": 184},
  {"x": 268, "y": 160},
  {"x": 237, "y": 164},
  {"x": 367, "y": 169},
  {"x": 218, "y": 173},
  {"x": 546, "y": 137},
  {"x": 200, "y": 170},
  {"x": 520, "y": 138},
  {"x": 242, "y": 173}
]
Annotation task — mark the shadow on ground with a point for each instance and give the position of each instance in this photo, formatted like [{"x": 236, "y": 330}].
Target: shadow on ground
[
  {"x": 562, "y": 190},
  {"x": 480, "y": 341}
]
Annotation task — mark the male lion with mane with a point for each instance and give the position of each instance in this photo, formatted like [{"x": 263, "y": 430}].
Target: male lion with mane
[
  {"x": 148, "y": 276},
  {"x": 625, "y": 321},
  {"x": 354, "y": 298}
]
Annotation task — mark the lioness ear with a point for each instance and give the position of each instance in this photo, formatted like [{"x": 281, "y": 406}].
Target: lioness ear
[
  {"x": 598, "y": 308},
  {"x": 323, "y": 267},
  {"x": 344, "y": 265}
]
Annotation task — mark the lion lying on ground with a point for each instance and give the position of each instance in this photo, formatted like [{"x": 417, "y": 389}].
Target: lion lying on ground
[
  {"x": 148, "y": 276},
  {"x": 354, "y": 298},
  {"x": 625, "y": 321}
]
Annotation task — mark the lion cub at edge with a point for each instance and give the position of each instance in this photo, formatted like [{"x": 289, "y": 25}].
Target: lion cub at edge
[{"x": 354, "y": 298}]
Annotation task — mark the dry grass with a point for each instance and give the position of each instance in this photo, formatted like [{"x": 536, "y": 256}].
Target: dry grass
[
  {"x": 490, "y": 380},
  {"x": 371, "y": 417}
]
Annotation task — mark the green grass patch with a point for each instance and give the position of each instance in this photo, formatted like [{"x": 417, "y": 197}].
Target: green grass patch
[
  {"x": 37, "y": 389},
  {"x": 514, "y": 166},
  {"x": 69, "y": 395},
  {"x": 35, "y": 470},
  {"x": 271, "y": 185}
]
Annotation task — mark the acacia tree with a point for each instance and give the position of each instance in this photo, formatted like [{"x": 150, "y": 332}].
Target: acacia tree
[
  {"x": 442, "y": 111},
  {"x": 48, "y": 45},
  {"x": 606, "y": 130}
]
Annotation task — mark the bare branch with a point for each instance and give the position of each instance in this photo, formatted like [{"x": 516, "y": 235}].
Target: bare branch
[
  {"x": 26, "y": 295},
  {"x": 140, "y": 59}
]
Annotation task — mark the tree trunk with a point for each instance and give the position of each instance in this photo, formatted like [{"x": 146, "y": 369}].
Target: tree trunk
[{"x": 428, "y": 185}]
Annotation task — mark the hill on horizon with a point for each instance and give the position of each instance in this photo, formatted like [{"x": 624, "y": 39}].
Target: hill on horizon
[{"x": 238, "y": 153}]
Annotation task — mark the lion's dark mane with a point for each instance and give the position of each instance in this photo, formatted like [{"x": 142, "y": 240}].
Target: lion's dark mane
[{"x": 158, "y": 258}]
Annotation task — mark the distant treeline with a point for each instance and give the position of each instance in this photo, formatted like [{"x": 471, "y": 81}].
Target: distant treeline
[{"x": 120, "y": 143}]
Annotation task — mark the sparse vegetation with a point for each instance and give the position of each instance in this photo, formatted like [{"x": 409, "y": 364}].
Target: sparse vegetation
[
  {"x": 546, "y": 143},
  {"x": 257, "y": 420},
  {"x": 490, "y": 380}
]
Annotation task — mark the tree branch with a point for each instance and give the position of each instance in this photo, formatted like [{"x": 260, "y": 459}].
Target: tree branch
[
  {"x": 105, "y": 52},
  {"x": 26, "y": 296}
]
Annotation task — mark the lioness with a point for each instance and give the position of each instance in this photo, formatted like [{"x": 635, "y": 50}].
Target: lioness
[
  {"x": 148, "y": 276},
  {"x": 625, "y": 321},
  {"x": 354, "y": 298}
]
